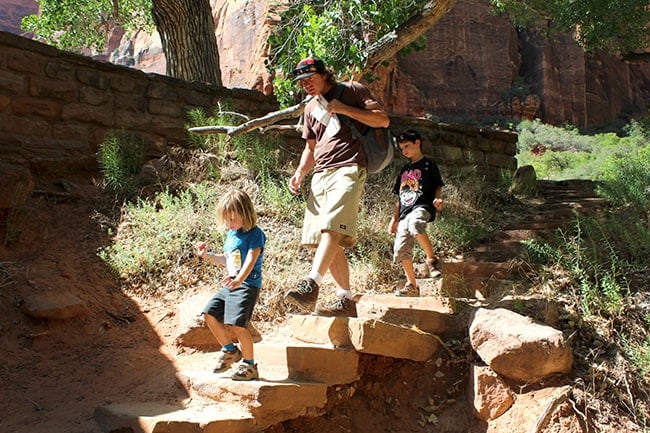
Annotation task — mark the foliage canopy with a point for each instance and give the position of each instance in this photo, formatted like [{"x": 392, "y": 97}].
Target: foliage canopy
[
  {"x": 73, "y": 25},
  {"x": 611, "y": 25},
  {"x": 339, "y": 32}
]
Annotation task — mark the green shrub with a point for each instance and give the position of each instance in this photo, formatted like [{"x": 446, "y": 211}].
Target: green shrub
[
  {"x": 639, "y": 355},
  {"x": 121, "y": 157},
  {"x": 587, "y": 255},
  {"x": 154, "y": 234},
  {"x": 626, "y": 180}
]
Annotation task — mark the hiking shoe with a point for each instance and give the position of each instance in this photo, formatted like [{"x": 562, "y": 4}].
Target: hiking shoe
[
  {"x": 245, "y": 371},
  {"x": 304, "y": 296},
  {"x": 225, "y": 359},
  {"x": 431, "y": 266},
  {"x": 408, "y": 290},
  {"x": 341, "y": 307}
]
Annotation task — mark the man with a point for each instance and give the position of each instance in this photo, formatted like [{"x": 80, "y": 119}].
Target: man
[{"x": 339, "y": 166}]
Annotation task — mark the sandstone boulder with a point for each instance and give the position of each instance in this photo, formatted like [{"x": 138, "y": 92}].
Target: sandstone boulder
[
  {"x": 192, "y": 329},
  {"x": 489, "y": 395},
  {"x": 524, "y": 181},
  {"x": 516, "y": 347},
  {"x": 54, "y": 306}
]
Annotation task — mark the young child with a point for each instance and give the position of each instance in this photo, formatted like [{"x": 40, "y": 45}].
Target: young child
[
  {"x": 419, "y": 188},
  {"x": 232, "y": 306}
]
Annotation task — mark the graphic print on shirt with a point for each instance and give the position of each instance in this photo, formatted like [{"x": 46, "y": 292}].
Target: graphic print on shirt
[
  {"x": 410, "y": 189},
  {"x": 233, "y": 262}
]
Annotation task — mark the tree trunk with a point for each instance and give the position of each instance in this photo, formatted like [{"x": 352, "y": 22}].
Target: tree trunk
[{"x": 187, "y": 35}]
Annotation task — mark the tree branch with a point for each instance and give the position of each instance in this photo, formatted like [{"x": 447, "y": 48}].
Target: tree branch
[
  {"x": 269, "y": 119},
  {"x": 635, "y": 57},
  {"x": 409, "y": 31}
]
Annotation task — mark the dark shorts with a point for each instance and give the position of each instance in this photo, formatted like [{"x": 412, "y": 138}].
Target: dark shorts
[{"x": 233, "y": 307}]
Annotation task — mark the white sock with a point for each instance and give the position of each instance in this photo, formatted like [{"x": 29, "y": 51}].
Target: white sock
[
  {"x": 316, "y": 277},
  {"x": 343, "y": 293}
]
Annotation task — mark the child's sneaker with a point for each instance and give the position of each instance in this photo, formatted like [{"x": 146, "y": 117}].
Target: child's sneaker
[
  {"x": 431, "y": 266},
  {"x": 245, "y": 371},
  {"x": 225, "y": 359},
  {"x": 408, "y": 290},
  {"x": 304, "y": 296}
]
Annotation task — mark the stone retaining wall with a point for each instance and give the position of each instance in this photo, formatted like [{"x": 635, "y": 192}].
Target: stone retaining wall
[{"x": 56, "y": 107}]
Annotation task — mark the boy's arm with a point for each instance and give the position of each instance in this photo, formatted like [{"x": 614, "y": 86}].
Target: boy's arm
[
  {"x": 212, "y": 258},
  {"x": 215, "y": 259},
  {"x": 437, "y": 201},
  {"x": 246, "y": 268},
  {"x": 392, "y": 226}
]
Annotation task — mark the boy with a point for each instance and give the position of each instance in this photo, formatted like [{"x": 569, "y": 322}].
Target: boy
[{"x": 419, "y": 189}]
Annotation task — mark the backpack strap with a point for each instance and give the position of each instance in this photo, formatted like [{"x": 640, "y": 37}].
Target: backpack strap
[
  {"x": 338, "y": 91},
  {"x": 345, "y": 119}
]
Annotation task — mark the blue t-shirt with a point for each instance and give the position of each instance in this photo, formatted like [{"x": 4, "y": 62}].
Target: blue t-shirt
[{"x": 236, "y": 247}]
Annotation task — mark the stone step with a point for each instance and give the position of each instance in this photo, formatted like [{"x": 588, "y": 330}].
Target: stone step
[
  {"x": 545, "y": 213},
  {"x": 295, "y": 360},
  {"x": 497, "y": 270},
  {"x": 495, "y": 252},
  {"x": 386, "y": 339},
  {"x": 496, "y": 256},
  {"x": 472, "y": 279},
  {"x": 431, "y": 314},
  {"x": 269, "y": 401},
  {"x": 367, "y": 336},
  {"x": 567, "y": 185},
  {"x": 153, "y": 417},
  {"x": 588, "y": 203},
  {"x": 474, "y": 287},
  {"x": 540, "y": 226},
  {"x": 563, "y": 194},
  {"x": 517, "y": 235},
  {"x": 307, "y": 363}
]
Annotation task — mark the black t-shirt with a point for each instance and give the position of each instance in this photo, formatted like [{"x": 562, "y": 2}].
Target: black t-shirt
[{"x": 416, "y": 186}]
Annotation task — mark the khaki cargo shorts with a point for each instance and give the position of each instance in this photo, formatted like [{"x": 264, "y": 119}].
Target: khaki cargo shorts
[
  {"x": 415, "y": 223},
  {"x": 333, "y": 204}
]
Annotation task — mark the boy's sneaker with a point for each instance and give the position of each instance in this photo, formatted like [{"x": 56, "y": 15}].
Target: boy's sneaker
[
  {"x": 225, "y": 359},
  {"x": 245, "y": 371},
  {"x": 408, "y": 290},
  {"x": 431, "y": 266},
  {"x": 341, "y": 307},
  {"x": 304, "y": 296}
]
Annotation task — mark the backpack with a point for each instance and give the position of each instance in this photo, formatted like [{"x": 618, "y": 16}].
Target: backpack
[{"x": 378, "y": 143}]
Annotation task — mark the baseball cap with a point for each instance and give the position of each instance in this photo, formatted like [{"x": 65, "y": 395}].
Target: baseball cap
[{"x": 308, "y": 67}]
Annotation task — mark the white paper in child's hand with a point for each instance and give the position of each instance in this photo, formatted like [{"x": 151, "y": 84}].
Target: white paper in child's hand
[{"x": 331, "y": 121}]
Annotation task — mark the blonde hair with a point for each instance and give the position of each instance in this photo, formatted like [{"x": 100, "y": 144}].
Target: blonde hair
[{"x": 239, "y": 203}]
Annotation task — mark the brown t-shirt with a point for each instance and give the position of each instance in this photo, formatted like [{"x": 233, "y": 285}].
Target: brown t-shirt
[{"x": 342, "y": 149}]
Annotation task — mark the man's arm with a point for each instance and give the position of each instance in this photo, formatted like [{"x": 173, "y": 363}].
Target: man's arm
[
  {"x": 372, "y": 115},
  {"x": 304, "y": 166}
]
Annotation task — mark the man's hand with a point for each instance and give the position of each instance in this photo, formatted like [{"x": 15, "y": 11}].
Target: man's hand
[
  {"x": 335, "y": 106},
  {"x": 295, "y": 182}
]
